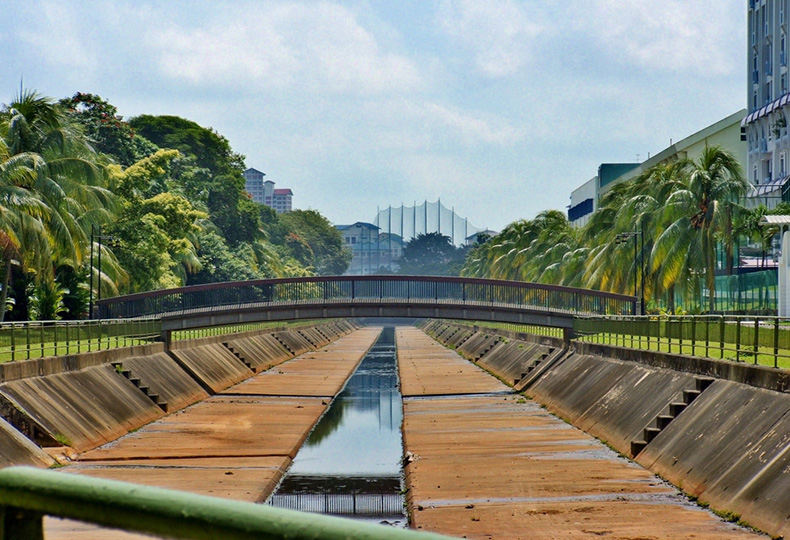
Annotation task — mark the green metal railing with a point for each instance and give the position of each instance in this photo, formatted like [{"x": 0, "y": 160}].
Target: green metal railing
[
  {"x": 27, "y": 495},
  {"x": 758, "y": 340},
  {"x": 37, "y": 339}
]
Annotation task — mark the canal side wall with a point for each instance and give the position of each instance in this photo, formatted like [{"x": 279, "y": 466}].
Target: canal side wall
[
  {"x": 719, "y": 430},
  {"x": 83, "y": 401}
]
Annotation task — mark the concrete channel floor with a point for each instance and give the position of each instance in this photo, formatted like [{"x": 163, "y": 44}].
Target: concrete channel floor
[
  {"x": 489, "y": 464},
  {"x": 236, "y": 444}
]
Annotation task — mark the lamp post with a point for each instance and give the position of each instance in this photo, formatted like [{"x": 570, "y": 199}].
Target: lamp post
[
  {"x": 96, "y": 238},
  {"x": 623, "y": 238}
]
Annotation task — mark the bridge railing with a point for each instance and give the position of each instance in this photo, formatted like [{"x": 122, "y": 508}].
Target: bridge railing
[
  {"x": 27, "y": 495},
  {"x": 368, "y": 289}
]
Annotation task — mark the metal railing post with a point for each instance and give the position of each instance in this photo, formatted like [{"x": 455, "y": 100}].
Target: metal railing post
[
  {"x": 737, "y": 339},
  {"x": 20, "y": 524},
  {"x": 776, "y": 342},
  {"x": 721, "y": 335}
]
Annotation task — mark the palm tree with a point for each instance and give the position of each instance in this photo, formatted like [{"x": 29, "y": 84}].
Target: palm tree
[
  {"x": 698, "y": 215},
  {"x": 62, "y": 175}
]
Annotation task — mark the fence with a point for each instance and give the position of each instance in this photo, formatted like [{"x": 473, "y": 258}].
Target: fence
[
  {"x": 758, "y": 340},
  {"x": 37, "y": 339},
  {"x": 27, "y": 495}
]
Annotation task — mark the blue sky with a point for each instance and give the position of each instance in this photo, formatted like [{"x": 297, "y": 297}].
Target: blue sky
[{"x": 499, "y": 108}]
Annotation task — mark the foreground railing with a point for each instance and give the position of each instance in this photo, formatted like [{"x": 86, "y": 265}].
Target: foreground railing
[
  {"x": 758, "y": 340},
  {"x": 368, "y": 289},
  {"x": 27, "y": 495},
  {"x": 37, "y": 339}
]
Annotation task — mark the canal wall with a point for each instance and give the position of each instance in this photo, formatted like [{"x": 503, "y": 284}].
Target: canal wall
[
  {"x": 84, "y": 401},
  {"x": 717, "y": 429}
]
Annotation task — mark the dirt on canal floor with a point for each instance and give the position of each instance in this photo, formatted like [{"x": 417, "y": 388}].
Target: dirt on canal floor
[
  {"x": 236, "y": 444},
  {"x": 488, "y": 464}
]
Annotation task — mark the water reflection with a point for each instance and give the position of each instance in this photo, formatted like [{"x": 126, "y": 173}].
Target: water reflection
[{"x": 350, "y": 464}]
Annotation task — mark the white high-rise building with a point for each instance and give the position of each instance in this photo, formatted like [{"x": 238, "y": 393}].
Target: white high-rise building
[
  {"x": 765, "y": 126},
  {"x": 263, "y": 191}
]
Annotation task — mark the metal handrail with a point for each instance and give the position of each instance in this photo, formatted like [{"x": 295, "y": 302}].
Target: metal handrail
[
  {"x": 28, "y": 494},
  {"x": 37, "y": 339},
  {"x": 761, "y": 340},
  {"x": 326, "y": 290}
]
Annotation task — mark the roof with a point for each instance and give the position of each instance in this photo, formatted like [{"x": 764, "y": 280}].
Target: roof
[
  {"x": 251, "y": 170},
  {"x": 775, "y": 220},
  {"x": 283, "y": 191},
  {"x": 357, "y": 224}
]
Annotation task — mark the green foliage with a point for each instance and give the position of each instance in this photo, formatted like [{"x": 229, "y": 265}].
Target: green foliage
[
  {"x": 106, "y": 129},
  {"x": 47, "y": 301},
  {"x": 210, "y": 149},
  {"x": 431, "y": 254},
  {"x": 675, "y": 217},
  {"x": 318, "y": 243}
]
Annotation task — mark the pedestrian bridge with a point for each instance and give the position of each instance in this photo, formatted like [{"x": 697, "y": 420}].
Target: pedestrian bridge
[{"x": 366, "y": 296}]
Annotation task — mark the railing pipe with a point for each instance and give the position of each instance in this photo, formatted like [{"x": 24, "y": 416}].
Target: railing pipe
[{"x": 27, "y": 494}]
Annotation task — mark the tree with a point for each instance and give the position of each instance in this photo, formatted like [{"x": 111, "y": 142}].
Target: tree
[
  {"x": 210, "y": 149},
  {"x": 431, "y": 254},
  {"x": 63, "y": 177},
  {"x": 106, "y": 129},
  {"x": 329, "y": 254},
  {"x": 698, "y": 215}
]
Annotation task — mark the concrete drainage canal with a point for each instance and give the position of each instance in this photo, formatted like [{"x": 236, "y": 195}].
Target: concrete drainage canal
[{"x": 351, "y": 463}]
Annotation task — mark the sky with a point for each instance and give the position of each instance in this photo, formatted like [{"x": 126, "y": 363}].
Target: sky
[{"x": 499, "y": 108}]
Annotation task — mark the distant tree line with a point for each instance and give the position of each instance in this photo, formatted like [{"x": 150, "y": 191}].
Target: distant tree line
[
  {"x": 685, "y": 219},
  {"x": 167, "y": 195}
]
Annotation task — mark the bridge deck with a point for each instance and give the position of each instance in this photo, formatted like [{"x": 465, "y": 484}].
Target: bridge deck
[{"x": 499, "y": 466}]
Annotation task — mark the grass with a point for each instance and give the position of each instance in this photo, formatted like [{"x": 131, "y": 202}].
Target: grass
[
  {"x": 764, "y": 357},
  {"x": 28, "y": 342}
]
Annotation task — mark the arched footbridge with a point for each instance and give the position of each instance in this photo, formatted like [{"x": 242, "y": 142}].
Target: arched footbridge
[{"x": 366, "y": 296}]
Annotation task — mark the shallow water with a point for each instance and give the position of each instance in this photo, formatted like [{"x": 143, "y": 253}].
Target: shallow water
[{"x": 351, "y": 463}]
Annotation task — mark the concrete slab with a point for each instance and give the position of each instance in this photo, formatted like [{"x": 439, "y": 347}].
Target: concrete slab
[
  {"x": 16, "y": 449},
  {"x": 426, "y": 369},
  {"x": 164, "y": 377},
  {"x": 499, "y": 466},
  {"x": 321, "y": 373},
  {"x": 214, "y": 366},
  {"x": 234, "y": 446},
  {"x": 82, "y": 409},
  {"x": 221, "y": 426}
]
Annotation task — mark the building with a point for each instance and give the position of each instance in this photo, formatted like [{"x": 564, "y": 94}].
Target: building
[
  {"x": 371, "y": 250},
  {"x": 725, "y": 133},
  {"x": 765, "y": 126},
  {"x": 584, "y": 199},
  {"x": 263, "y": 191},
  {"x": 472, "y": 239}
]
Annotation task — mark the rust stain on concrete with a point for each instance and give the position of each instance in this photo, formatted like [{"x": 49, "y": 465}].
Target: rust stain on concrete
[
  {"x": 237, "y": 444},
  {"x": 498, "y": 466}
]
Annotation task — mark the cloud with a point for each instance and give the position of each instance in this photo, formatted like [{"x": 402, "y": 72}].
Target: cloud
[
  {"x": 56, "y": 37},
  {"x": 302, "y": 46},
  {"x": 668, "y": 35},
  {"x": 499, "y": 35}
]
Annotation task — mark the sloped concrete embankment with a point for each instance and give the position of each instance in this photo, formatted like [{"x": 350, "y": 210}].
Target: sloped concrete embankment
[
  {"x": 83, "y": 401},
  {"x": 725, "y": 442}
]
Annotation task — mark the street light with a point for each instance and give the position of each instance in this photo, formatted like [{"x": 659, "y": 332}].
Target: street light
[
  {"x": 623, "y": 238},
  {"x": 97, "y": 237}
]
